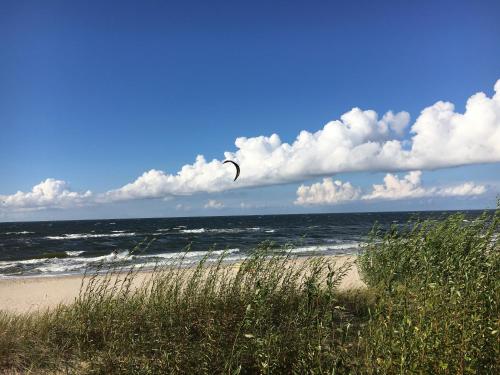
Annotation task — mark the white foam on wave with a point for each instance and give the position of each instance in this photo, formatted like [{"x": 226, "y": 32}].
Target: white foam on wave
[
  {"x": 324, "y": 248},
  {"x": 74, "y": 253},
  {"x": 189, "y": 254},
  {"x": 163, "y": 230},
  {"x": 270, "y": 231},
  {"x": 22, "y": 232},
  {"x": 58, "y": 265},
  {"x": 76, "y": 236},
  {"x": 47, "y": 266},
  {"x": 111, "y": 257},
  {"x": 186, "y": 261},
  {"x": 6, "y": 265},
  {"x": 199, "y": 230},
  {"x": 222, "y": 230},
  {"x": 13, "y": 263},
  {"x": 58, "y": 268},
  {"x": 72, "y": 259}
]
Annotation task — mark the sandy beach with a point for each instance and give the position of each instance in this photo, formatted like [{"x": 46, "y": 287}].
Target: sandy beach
[{"x": 25, "y": 294}]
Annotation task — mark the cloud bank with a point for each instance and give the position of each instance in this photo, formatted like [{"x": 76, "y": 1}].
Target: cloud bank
[
  {"x": 327, "y": 192},
  {"x": 358, "y": 141},
  {"x": 410, "y": 186},
  {"x": 393, "y": 188},
  {"x": 50, "y": 193}
]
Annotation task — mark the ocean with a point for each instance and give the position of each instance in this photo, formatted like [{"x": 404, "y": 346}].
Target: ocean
[{"x": 52, "y": 248}]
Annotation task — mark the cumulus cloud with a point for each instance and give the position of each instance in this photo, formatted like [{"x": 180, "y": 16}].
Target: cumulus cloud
[
  {"x": 212, "y": 203},
  {"x": 201, "y": 176},
  {"x": 326, "y": 192},
  {"x": 410, "y": 186},
  {"x": 50, "y": 193},
  {"x": 359, "y": 141},
  {"x": 393, "y": 188},
  {"x": 469, "y": 188}
]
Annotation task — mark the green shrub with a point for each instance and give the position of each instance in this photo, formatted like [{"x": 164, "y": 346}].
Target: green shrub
[{"x": 438, "y": 289}]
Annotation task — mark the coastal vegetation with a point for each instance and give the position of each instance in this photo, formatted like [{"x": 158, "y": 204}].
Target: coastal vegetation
[{"x": 431, "y": 305}]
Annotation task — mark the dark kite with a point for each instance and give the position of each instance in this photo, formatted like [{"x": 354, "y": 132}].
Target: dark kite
[{"x": 237, "y": 168}]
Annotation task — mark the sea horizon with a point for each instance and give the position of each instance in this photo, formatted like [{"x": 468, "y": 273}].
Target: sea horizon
[{"x": 250, "y": 215}]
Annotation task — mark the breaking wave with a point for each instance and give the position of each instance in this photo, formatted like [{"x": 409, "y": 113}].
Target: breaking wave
[
  {"x": 76, "y": 264},
  {"x": 199, "y": 230},
  {"x": 22, "y": 232},
  {"x": 223, "y": 230},
  {"x": 76, "y": 236}
]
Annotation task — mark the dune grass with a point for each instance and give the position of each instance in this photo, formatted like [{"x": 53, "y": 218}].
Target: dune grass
[{"x": 431, "y": 306}]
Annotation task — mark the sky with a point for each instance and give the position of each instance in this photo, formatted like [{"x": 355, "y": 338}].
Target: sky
[{"x": 127, "y": 109}]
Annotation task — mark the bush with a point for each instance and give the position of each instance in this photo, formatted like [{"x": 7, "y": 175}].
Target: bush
[{"x": 438, "y": 289}]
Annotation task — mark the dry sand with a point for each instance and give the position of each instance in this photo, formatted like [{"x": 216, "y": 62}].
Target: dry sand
[{"x": 25, "y": 294}]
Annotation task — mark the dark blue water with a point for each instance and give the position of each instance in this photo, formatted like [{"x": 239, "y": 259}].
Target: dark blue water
[{"x": 63, "y": 247}]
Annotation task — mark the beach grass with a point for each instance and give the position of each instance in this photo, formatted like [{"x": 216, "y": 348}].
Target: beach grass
[{"x": 431, "y": 305}]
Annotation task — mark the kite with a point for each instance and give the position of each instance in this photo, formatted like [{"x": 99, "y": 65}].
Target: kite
[{"x": 237, "y": 168}]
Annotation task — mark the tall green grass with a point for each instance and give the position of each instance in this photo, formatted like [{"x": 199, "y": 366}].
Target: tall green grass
[
  {"x": 268, "y": 315},
  {"x": 430, "y": 306}
]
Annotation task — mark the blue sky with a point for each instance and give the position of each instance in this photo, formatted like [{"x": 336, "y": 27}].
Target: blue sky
[{"x": 96, "y": 93}]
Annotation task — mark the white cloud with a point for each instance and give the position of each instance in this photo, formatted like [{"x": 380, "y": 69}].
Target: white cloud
[
  {"x": 50, "y": 193},
  {"x": 393, "y": 188},
  {"x": 212, "y": 203},
  {"x": 410, "y": 186},
  {"x": 326, "y": 192},
  {"x": 201, "y": 176},
  {"x": 469, "y": 188},
  {"x": 359, "y": 141}
]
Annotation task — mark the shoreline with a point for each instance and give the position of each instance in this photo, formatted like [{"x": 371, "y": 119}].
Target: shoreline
[{"x": 29, "y": 294}]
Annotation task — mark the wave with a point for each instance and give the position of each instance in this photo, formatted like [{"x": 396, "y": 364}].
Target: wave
[
  {"x": 74, "y": 253},
  {"x": 222, "y": 230},
  {"x": 199, "y": 230},
  {"x": 76, "y": 236},
  {"x": 8, "y": 263},
  {"x": 325, "y": 248},
  {"x": 22, "y": 232},
  {"x": 190, "y": 254},
  {"x": 74, "y": 263},
  {"x": 163, "y": 230}
]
